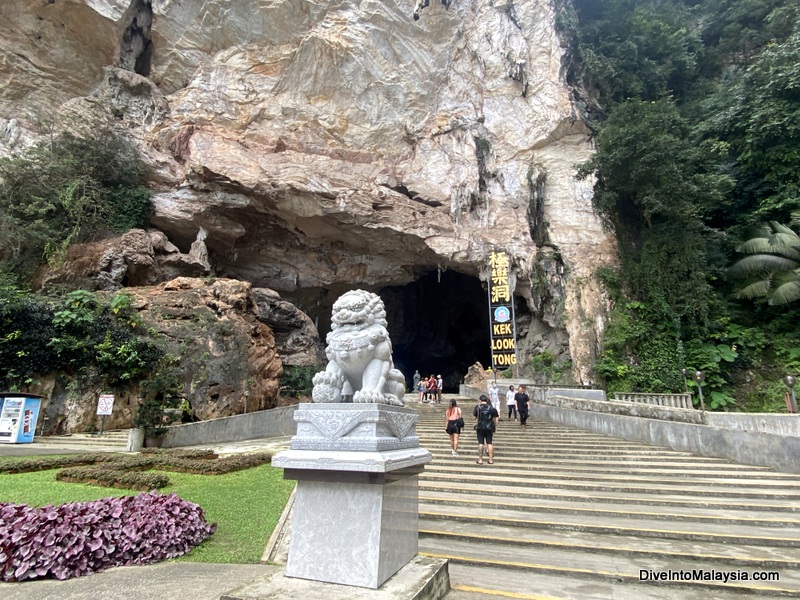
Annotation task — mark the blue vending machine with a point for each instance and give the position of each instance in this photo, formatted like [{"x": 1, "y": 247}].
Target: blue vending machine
[{"x": 18, "y": 416}]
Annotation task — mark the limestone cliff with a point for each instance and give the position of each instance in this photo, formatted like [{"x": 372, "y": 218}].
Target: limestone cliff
[
  {"x": 228, "y": 361},
  {"x": 329, "y": 144}
]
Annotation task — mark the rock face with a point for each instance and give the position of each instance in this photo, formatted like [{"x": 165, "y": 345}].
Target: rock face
[
  {"x": 339, "y": 143},
  {"x": 228, "y": 358},
  {"x": 296, "y": 338},
  {"x": 135, "y": 258}
]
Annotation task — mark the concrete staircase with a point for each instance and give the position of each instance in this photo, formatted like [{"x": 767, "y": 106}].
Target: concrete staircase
[
  {"x": 568, "y": 514},
  {"x": 109, "y": 441}
]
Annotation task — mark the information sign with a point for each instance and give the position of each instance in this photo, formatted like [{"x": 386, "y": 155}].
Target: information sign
[
  {"x": 501, "y": 313},
  {"x": 105, "y": 404}
]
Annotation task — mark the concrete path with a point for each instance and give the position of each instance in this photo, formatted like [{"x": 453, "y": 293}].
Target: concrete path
[
  {"x": 562, "y": 515},
  {"x": 568, "y": 514}
]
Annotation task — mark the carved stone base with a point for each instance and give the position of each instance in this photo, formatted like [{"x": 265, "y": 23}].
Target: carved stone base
[
  {"x": 355, "y": 518},
  {"x": 355, "y": 427}
]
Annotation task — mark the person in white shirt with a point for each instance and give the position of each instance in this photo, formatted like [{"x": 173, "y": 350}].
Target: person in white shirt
[
  {"x": 494, "y": 395},
  {"x": 511, "y": 402}
]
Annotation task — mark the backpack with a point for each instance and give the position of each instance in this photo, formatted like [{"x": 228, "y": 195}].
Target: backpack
[{"x": 485, "y": 418}]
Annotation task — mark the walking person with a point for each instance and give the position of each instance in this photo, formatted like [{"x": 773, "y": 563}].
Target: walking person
[
  {"x": 521, "y": 398},
  {"x": 494, "y": 396},
  {"x": 511, "y": 402},
  {"x": 485, "y": 424},
  {"x": 455, "y": 422},
  {"x": 432, "y": 385}
]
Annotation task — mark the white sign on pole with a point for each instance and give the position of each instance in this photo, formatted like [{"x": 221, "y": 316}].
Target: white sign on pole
[{"x": 105, "y": 404}]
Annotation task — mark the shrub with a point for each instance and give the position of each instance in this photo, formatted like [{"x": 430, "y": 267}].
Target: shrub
[
  {"x": 124, "y": 470},
  {"x": 296, "y": 381},
  {"x": 45, "y": 463},
  {"x": 194, "y": 453},
  {"x": 220, "y": 466},
  {"x": 111, "y": 476},
  {"x": 76, "y": 334},
  {"x": 65, "y": 189},
  {"x": 80, "y": 538}
]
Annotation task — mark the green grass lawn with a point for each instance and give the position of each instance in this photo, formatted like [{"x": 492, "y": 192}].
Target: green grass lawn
[{"x": 246, "y": 505}]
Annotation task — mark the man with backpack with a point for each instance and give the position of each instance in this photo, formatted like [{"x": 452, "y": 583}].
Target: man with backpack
[{"x": 485, "y": 424}]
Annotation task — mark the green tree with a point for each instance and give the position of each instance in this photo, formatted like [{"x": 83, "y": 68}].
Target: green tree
[
  {"x": 763, "y": 130},
  {"x": 636, "y": 49},
  {"x": 652, "y": 182},
  {"x": 68, "y": 189}
]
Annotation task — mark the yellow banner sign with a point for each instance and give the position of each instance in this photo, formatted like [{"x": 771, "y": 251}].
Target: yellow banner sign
[{"x": 501, "y": 312}]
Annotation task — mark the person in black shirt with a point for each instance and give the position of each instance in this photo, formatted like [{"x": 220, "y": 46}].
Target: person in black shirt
[
  {"x": 485, "y": 424},
  {"x": 522, "y": 400}
]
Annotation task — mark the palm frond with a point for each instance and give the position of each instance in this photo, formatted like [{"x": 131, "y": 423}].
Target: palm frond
[
  {"x": 755, "y": 245},
  {"x": 758, "y": 289},
  {"x": 782, "y": 229},
  {"x": 785, "y": 293},
  {"x": 762, "y": 263}
]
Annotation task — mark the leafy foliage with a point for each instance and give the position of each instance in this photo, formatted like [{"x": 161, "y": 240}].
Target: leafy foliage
[
  {"x": 160, "y": 394},
  {"x": 75, "y": 334},
  {"x": 125, "y": 471},
  {"x": 773, "y": 265},
  {"x": 68, "y": 189},
  {"x": 109, "y": 477},
  {"x": 633, "y": 49},
  {"x": 545, "y": 366},
  {"x": 81, "y": 538},
  {"x": 697, "y": 125},
  {"x": 296, "y": 381}
]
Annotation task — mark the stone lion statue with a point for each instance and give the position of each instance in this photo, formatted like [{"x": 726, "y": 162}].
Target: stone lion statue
[{"x": 359, "y": 352}]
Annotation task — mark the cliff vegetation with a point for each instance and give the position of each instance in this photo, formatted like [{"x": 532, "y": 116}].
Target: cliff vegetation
[{"x": 695, "y": 107}]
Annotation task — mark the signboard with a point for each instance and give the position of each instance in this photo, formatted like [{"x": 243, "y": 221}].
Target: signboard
[
  {"x": 105, "y": 404},
  {"x": 502, "y": 324}
]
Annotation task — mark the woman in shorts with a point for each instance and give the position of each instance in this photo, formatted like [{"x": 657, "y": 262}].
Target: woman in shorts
[{"x": 453, "y": 417}]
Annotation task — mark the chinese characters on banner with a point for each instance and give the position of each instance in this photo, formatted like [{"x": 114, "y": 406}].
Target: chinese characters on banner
[{"x": 501, "y": 313}]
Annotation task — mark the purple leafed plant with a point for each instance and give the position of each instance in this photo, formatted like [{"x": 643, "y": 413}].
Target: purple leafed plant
[{"x": 79, "y": 538}]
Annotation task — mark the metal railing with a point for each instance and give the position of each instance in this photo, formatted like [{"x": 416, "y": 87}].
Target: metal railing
[{"x": 670, "y": 400}]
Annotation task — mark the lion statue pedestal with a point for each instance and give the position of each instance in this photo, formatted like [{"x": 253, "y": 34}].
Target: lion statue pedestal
[{"x": 356, "y": 458}]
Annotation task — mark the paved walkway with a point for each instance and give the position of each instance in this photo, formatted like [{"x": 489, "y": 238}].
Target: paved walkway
[{"x": 562, "y": 514}]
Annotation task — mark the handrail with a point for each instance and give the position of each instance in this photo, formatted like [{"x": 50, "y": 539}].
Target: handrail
[{"x": 671, "y": 400}]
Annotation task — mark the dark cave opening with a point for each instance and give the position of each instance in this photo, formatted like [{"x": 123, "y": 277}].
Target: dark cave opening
[{"x": 439, "y": 323}]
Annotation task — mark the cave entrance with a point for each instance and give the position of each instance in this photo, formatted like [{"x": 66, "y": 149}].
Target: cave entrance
[{"x": 439, "y": 325}]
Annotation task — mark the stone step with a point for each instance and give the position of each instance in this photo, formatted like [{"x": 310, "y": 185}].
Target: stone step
[
  {"x": 688, "y": 469},
  {"x": 479, "y": 502},
  {"x": 503, "y": 468},
  {"x": 738, "y": 555},
  {"x": 469, "y": 582},
  {"x": 567, "y": 496},
  {"x": 652, "y": 528},
  {"x": 618, "y": 570},
  {"x": 120, "y": 434},
  {"x": 87, "y": 442},
  {"x": 488, "y": 479},
  {"x": 576, "y": 515}
]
